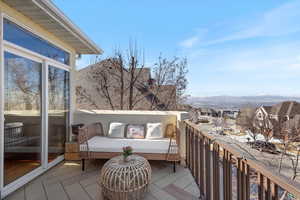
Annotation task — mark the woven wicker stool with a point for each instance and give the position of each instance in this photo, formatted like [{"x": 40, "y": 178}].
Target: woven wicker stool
[{"x": 125, "y": 180}]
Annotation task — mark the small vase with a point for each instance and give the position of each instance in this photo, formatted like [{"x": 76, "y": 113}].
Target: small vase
[{"x": 125, "y": 158}]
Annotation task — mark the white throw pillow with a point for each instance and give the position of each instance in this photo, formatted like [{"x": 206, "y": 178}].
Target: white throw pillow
[
  {"x": 116, "y": 130},
  {"x": 154, "y": 131}
]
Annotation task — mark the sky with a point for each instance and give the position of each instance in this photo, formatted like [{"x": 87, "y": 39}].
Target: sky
[{"x": 233, "y": 47}]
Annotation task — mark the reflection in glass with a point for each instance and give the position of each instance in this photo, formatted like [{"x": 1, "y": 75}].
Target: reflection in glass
[
  {"x": 58, "y": 111},
  {"x": 22, "y": 128},
  {"x": 19, "y": 36}
]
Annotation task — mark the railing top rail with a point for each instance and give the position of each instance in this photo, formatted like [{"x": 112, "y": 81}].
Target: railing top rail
[{"x": 282, "y": 181}]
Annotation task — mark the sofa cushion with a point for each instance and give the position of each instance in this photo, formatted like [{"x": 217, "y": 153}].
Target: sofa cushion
[
  {"x": 135, "y": 131},
  {"x": 154, "y": 131},
  {"x": 106, "y": 144},
  {"x": 116, "y": 130}
]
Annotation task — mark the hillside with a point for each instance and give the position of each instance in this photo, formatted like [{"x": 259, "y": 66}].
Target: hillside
[{"x": 238, "y": 101}]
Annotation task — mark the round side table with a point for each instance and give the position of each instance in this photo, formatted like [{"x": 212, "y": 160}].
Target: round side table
[{"x": 125, "y": 180}]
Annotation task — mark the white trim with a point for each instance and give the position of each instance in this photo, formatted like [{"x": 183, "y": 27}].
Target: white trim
[
  {"x": 58, "y": 65},
  {"x": 12, "y": 19},
  {"x": 1, "y": 106},
  {"x": 67, "y": 24},
  {"x": 72, "y": 103},
  {"x": 33, "y": 55},
  {"x": 29, "y": 177},
  {"x": 45, "y": 114},
  {"x": 21, "y": 181},
  {"x": 23, "y": 54},
  {"x": 55, "y": 161}
]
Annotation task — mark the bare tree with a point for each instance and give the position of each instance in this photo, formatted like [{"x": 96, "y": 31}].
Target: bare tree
[
  {"x": 123, "y": 82},
  {"x": 265, "y": 127},
  {"x": 291, "y": 149},
  {"x": 290, "y": 135},
  {"x": 82, "y": 95},
  {"x": 250, "y": 126},
  {"x": 135, "y": 67},
  {"x": 218, "y": 123},
  {"x": 118, "y": 80},
  {"x": 26, "y": 81},
  {"x": 170, "y": 73}
]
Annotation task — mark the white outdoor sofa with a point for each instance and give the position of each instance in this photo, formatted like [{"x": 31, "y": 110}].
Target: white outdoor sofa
[{"x": 94, "y": 144}]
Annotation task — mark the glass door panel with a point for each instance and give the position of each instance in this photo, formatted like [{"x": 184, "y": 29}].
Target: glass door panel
[
  {"x": 23, "y": 116},
  {"x": 58, "y": 111}
]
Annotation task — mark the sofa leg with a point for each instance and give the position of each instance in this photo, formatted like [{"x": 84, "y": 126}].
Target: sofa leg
[
  {"x": 174, "y": 166},
  {"x": 83, "y": 164}
]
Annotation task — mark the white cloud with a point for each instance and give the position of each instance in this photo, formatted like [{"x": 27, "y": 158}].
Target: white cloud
[
  {"x": 279, "y": 21},
  {"x": 272, "y": 57},
  {"x": 269, "y": 64},
  {"x": 270, "y": 68},
  {"x": 190, "y": 42}
]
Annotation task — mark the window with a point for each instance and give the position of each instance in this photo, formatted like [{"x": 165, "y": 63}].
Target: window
[
  {"x": 17, "y": 35},
  {"x": 32, "y": 83},
  {"x": 23, "y": 116},
  {"x": 58, "y": 111}
]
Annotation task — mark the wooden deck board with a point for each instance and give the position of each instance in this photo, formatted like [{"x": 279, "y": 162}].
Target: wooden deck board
[
  {"x": 66, "y": 181},
  {"x": 76, "y": 192},
  {"x": 55, "y": 191},
  {"x": 35, "y": 191}
]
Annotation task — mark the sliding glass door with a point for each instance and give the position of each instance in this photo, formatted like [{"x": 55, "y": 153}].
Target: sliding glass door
[
  {"x": 58, "y": 111},
  {"x": 35, "y": 106},
  {"x": 22, "y": 115}
]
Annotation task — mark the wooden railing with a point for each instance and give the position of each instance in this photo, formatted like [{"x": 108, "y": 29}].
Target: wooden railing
[{"x": 221, "y": 171}]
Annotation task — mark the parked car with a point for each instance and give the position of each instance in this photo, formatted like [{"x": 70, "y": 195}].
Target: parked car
[{"x": 264, "y": 146}]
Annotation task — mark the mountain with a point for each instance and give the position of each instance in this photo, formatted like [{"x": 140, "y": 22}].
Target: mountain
[{"x": 236, "y": 102}]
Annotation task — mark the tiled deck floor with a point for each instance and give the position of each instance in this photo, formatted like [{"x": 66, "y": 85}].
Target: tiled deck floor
[{"x": 67, "y": 182}]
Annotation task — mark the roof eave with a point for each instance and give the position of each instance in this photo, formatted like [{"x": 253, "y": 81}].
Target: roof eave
[
  {"x": 65, "y": 21},
  {"x": 47, "y": 15}
]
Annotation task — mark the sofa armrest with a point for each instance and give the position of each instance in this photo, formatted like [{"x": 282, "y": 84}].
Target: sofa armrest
[
  {"x": 88, "y": 132},
  {"x": 174, "y": 144}
]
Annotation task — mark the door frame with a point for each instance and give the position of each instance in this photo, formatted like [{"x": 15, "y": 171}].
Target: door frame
[{"x": 6, "y": 46}]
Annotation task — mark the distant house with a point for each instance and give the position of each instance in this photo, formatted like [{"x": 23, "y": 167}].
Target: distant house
[
  {"x": 293, "y": 123},
  {"x": 285, "y": 110},
  {"x": 89, "y": 97},
  {"x": 208, "y": 112},
  {"x": 230, "y": 113},
  {"x": 262, "y": 112},
  {"x": 282, "y": 111},
  {"x": 282, "y": 114}
]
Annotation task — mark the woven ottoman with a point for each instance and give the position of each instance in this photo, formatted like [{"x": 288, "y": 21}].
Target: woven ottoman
[{"x": 125, "y": 180}]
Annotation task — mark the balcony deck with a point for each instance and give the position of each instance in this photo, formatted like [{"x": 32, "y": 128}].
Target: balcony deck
[{"x": 66, "y": 181}]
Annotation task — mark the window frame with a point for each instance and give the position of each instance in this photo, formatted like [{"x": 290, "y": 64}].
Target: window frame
[
  {"x": 68, "y": 120},
  {"x": 5, "y": 16}
]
